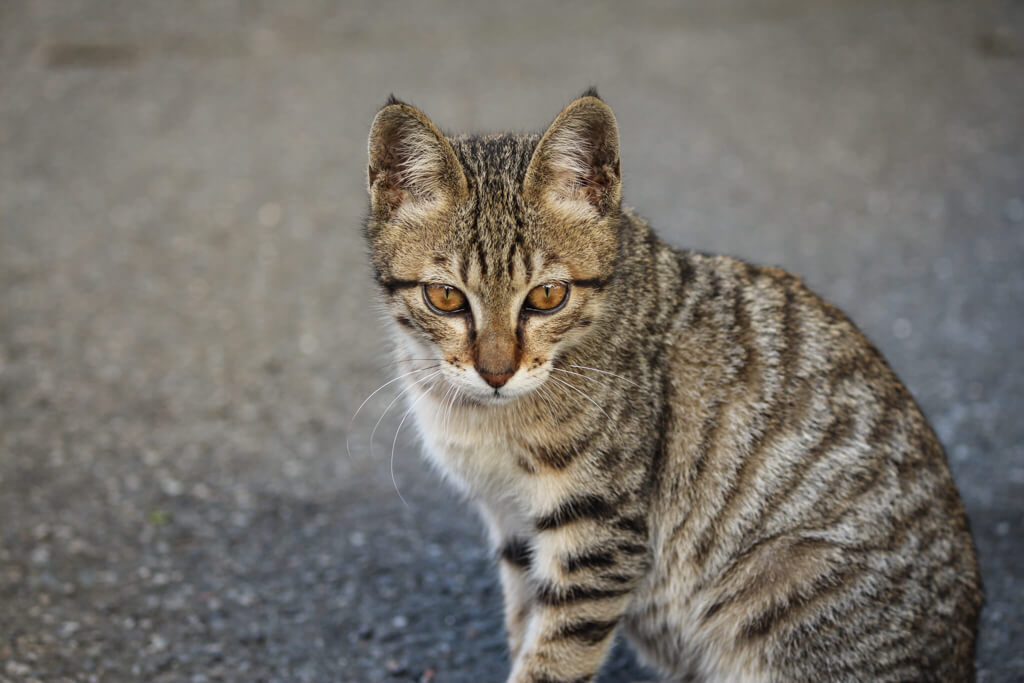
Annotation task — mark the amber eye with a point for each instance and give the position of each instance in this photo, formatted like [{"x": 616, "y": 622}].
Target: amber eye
[
  {"x": 547, "y": 297},
  {"x": 444, "y": 298}
]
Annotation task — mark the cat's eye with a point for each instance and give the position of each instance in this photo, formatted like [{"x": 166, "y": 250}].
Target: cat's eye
[
  {"x": 548, "y": 297},
  {"x": 444, "y": 298}
]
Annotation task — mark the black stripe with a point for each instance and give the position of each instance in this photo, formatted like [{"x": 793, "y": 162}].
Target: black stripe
[
  {"x": 658, "y": 457},
  {"x": 839, "y": 429},
  {"x": 741, "y": 563},
  {"x": 709, "y": 429},
  {"x": 394, "y": 285},
  {"x": 791, "y": 338},
  {"x": 527, "y": 263},
  {"x": 713, "y": 610},
  {"x": 483, "y": 258},
  {"x": 618, "y": 578},
  {"x": 517, "y": 247},
  {"x": 597, "y": 558},
  {"x": 590, "y": 631},
  {"x": 632, "y": 548},
  {"x": 517, "y": 552},
  {"x": 763, "y": 623},
  {"x": 637, "y": 525},
  {"x": 547, "y": 679},
  {"x": 554, "y": 596},
  {"x": 577, "y": 508},
  {"x": 705, "y": 306},
  {"x": 464, "y": 265},
  {"x": 559, "y": 331},
  {"x": 559, "y": 456},
  {"x": 687, "y": 273},
  {"x": 749, "y": 372},
  {"x": 821, "y": 589},
  {"x": 597, "y": 283}
]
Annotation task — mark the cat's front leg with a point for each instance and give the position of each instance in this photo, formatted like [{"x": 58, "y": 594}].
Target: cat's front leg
[
  {"x": 510, "y": 543},
  {"x": 515, "y": 563},
  {"x": 585, "y": 564}
]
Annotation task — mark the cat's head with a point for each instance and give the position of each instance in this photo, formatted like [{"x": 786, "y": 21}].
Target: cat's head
[{"x": 494, "y": 252}]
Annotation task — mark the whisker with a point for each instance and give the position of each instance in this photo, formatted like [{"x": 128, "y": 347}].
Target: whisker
[
  {"x": 396, "y": 361},
  {"x": 392, "y": 381},
  {"x": 570, "y": 372},
  {"x": 394, "y": 401},
  {"x": 442, "y": 404},
  {"x": 442, "y": 407},
  {"x": 543, "y": 392},
  {"x": 451, "y": 409},
  {"x": 584, "y": 395},
  {"x": 604, "y": 372},
  {"x": 395, "y": 441}
]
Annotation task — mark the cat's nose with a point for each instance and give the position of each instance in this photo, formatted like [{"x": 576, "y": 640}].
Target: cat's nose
[{"x": 496, "y": 379}]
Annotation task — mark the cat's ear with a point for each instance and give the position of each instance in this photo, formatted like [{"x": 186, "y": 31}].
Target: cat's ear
[
  {"x": 412, "y": 166},
  {"x": 575, "y": 168}
]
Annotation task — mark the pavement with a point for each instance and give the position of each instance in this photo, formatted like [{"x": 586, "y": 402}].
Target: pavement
[{"x": 186, "y": 326}]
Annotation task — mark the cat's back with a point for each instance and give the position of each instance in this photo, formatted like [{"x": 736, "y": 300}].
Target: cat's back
[{"x": 801, "y": 493}]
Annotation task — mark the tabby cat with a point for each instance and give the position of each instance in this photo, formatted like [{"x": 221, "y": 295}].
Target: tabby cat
[{"x": 689, "y": 450}]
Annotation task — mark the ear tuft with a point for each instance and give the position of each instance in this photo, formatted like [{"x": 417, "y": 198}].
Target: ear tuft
[
  {"x": 575, "y": 167},
  {"x": 590, "y": 92},
  {"x": 411, "y": 163}
]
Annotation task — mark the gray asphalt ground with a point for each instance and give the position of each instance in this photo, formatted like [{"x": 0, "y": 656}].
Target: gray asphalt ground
[{"x": 187, "y": 323}]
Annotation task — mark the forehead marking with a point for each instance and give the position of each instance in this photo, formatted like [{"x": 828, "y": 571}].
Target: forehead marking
[
  {"x": 513, "y": 249},
  {"x": 481, "y": 256},
  {"x": 495, "y": 166}
]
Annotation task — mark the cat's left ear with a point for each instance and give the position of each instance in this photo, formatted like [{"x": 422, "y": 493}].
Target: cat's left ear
[{"x": 575, "y": 168}]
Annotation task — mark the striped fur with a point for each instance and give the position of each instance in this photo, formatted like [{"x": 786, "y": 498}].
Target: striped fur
[{"x": 692, "y": 451}]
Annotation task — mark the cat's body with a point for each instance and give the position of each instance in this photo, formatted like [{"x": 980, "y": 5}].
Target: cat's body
[{"x": 695, "y": 452}]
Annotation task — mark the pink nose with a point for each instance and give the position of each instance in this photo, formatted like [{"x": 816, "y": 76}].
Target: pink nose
[{"x": 496, "y": 379}]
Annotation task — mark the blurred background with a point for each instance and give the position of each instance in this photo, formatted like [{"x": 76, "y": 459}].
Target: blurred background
[{"x": 186, "y": 326}]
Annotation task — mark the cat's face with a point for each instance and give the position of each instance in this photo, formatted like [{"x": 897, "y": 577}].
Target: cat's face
[{"x": 494, "y": 252}]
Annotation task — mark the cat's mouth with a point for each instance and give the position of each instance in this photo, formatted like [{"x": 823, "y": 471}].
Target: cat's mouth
[
  {"x": 486, "y": 395},
  {"x": 470, "y": 386},
  {"x": 496, "y": 397}
]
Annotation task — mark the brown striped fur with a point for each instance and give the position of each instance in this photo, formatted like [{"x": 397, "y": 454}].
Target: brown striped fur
[{"x": 692, "y": 451}]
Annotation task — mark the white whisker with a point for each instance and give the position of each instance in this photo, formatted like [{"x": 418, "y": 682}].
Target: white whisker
[
  {"x": 442, "y": 406},
  {"x": 581, "y": 393},
  {"x": 570, "y": 372},
  {"x": 544, "y": 394},
  {"x": 394, "y": 401},
  {"x": 392, "y": 381},
  {"x": 439, "y": 413},
  {"x": 451, "y": 409},
  {"x": 396, "y": 361},
  {"x": 604, "y": 372},
  {"x": 395, "y": 441}
]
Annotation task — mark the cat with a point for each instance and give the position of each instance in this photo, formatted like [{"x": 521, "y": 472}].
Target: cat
[{"x": 687, "y": 449}]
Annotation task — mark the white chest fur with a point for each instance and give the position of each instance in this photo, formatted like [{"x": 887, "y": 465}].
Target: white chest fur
[{"x": 474, "y": 450}]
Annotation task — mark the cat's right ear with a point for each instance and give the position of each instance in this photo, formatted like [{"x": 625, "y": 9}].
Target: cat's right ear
[{"x": 412, "y": 167}]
